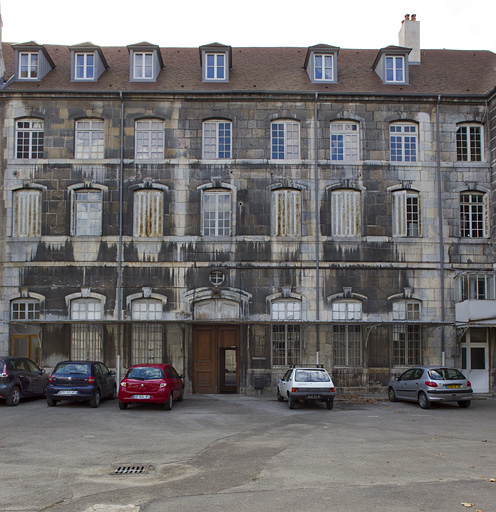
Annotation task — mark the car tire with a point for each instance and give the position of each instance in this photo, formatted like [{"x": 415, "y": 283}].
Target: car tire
[
  {"x": 122, "y": 406},
  {"x": 113, "y": 395},
  {"x": 424, "y": 401},
  {"x": 280, "y": 398},
  {"x": 95, "y": 401},
  {"x": 168, "y": 404},
  {"x": 14, "y": 396},
  {"x": 464, "y": 404},
  {"x": 181, "y": 396},
  {"x": 330, "y": 404},
  {"x": 51, "y": 402},
  {"x": 291, "y": 402},
  {"x": 392, "y": 395}
]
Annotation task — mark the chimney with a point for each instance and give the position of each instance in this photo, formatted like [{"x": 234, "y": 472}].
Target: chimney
[{"x": 409, "y": 37}]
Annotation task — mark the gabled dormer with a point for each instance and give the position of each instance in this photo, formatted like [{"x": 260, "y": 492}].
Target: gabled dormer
[
  {"x": 215, "y": 61},
  {"x": 321, "y": 63},
  {"x": 145, "y": 62},
  {"x": 32, "y": 61},
  {"x": 87, "y": 62},
  {"x": 391, "y": 64}
]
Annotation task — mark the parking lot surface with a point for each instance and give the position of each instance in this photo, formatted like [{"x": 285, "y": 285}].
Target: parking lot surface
[{"x": 234, "y": 452}]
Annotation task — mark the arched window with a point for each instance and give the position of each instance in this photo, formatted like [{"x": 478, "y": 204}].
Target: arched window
[
  {"x": 473, "y": 215},
  {"x": 149, "y": 139},
  {"x": 87, "y": 212},
  {"x": 217, "y": 139},
  {"x": 469, "y": 143},
  {"x": 216, "y": 212},
  {"x": 29, "y": 138},
  {"x": 90, "y": 138},
  {"x": 345, "y": 141}
]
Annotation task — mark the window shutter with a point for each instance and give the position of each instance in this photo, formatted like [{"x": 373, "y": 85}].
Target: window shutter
[
  {"x": 27, "y": 213},
  {"x": 399, "y": 213},
  {"x": 148, "y": 213},
  {"x": 345, "y": 213}
]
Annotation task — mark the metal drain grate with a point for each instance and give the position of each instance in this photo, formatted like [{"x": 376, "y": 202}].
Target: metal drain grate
[{"x": 138, "y": 469}]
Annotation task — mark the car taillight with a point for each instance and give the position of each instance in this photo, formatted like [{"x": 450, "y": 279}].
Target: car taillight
[
  {"x": 163, "y": 385},
  {"x": 332, "y": 390},
  {"x": 91, "y": 380},
  {"x": 430, "y": 384},
  {"x": 4, "y": 373},
  {"x": 294, "y": 390},
  {"x": 469, "y": 384},
  {"x": 123, "y": 384},
  {"x": 50, "y": 379}
]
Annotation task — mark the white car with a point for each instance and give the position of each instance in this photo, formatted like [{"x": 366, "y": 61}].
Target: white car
[{"x": 309, "y": 383}]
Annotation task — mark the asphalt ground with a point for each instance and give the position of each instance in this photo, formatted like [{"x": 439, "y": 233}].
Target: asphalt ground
[{"x": 241, "y": 453}]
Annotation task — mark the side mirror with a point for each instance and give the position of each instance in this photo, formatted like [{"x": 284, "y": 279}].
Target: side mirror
[
  {"x": 397, "y": 379},
  {"x": 43, "y": 371},
  {"x": 181, "y": 375},
  {"x": 279, "y": 380},
  {"x": 111, "y": 372}
]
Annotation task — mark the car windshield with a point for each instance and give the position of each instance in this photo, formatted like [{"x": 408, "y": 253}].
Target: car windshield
[
  {"x": 72, "y": 369},
  {"x": 446, "y": 374},
  {"x": 311, "y": 376},
  {"x": 143, "y": 373}
]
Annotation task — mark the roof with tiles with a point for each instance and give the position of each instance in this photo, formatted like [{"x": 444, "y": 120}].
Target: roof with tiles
[{"x": 451, "y": 72}]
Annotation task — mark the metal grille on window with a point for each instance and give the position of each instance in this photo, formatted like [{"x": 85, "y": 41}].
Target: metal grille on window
[
  {"x": 285, "y": 345},
  {"x": 86, "y": 342},
  {"x": 347, "y": 345},
  {"x": 146, "y": 338},
  {"x": 148, "y": 213}
]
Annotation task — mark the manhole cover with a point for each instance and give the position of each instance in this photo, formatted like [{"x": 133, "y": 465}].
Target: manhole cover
[{"x": 136, "y": 469}]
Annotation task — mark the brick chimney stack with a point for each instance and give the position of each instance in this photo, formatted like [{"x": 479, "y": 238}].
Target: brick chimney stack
[{"x": 409, "y": 37}]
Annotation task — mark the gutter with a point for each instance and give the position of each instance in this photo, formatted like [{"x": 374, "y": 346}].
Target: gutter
[{"x": 317, "y": 228}]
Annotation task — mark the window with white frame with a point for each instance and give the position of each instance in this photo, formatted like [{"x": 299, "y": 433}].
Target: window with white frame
[
  {"x": 406, "y": 213},
  {"x": 285, "y": 140},
  {"x": 143, "y": 65},
  {"x": 86, "y": 309},
  {"x": 403, "y": 139},
  {"x": 85, "y": 66},
  {"x": 148, "y": 213},
  {"x": 29, "y": 138},
  {"x": 475, "y": 286},
  {"x": 407, "y": 341},
  {"x": 150, "y": 139},
  {"x": 406, "y": 310},
  {"x": 215, "y": 66},
  {"x": 26, "y": 213},
  {"x": 345, "y": 213},
  {"x": 28, "y": 65},
  {"x": 346, "y": 310},
  {"x": 216, "y": 212},
  {"x": 286, "y": 212},
  {"x": 216, "y": 139},
  {"x": 395, "y": 68},
  {"x": 323, "y": 66},
  {"x": 473, "y": 215},
  {"x": 344, "y": 142},
  {"x": 286, "y": 338},
  {"x": 469, "y": 147},
  {"x": 90, "y": 136},
  {"x": 87, "y": 212},
  {"x": 25, "y": 309}
]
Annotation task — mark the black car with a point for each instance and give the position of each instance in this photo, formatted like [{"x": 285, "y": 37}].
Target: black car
[
  {"x": 21, "y": 377},
  {"x": 83, "y": 381}
]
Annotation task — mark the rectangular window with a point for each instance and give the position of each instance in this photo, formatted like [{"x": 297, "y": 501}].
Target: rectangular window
[
  {"x": 286, "y": 310},
  {"x": 216, "y": 66},
  {"x": 146, "y": 339},
  {"x": 87, "y": 213},
  {"x": 403, "y": 141},
  {"x": 29, "y": 139},
  {"x": 90, "y": 139},
  {"x": 148, "y": 213},
  {"x": 469, "y": 143},
  {"x": 344, "y": 142},
  {"x": 28, "y": 65},
  {"x": 395, "y": 69},
  {"x": 216, "y": 213},
  {"x": 286, "y": 344},
  {"x": 26, "y": 213},
  {"x": 404, "y": 310},
  {"x": 346, "y": 213},
  {"x": 86, "y": 342},
  {"x": 25, "y": 310},
  {"x": 286, "y": 212},
  {"x": 216, "y": 139},
  {"x": 346, "y": 310},
  {"x": 406, "y": 345},
  {"x": 347, "y": 345},
  {"x": 475, "y": 286},
  {"x": 86, "y": 309},
  {"x": 473, "y": 213},
  {"x": 150, "y": 140},
  {"x": 323, "y": 68},
  {"x": 85, "y": 66},
  {"x": 406, "y": 213},
  {"x": 285, "y": 141},
  {"x": 143, "y": 66}
]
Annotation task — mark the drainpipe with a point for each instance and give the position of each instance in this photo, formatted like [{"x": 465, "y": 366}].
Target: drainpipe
[
  {"x": 317, "y": 228},
  {"x": 441, "y": 235},
  {"x": 119, "y": 248}
]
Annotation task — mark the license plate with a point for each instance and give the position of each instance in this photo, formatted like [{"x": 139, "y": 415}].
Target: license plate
[
  {"x": 453, "y": 386},
  {"x": 141, "y": 397},
  {"x": 67, "y": 392},
  {"x": 313, "y": 396}
]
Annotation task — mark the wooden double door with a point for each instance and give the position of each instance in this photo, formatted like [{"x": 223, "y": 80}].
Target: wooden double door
[{"x": 215, "y": 359}]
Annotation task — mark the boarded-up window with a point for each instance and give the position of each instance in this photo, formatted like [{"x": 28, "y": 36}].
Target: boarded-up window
[
  {"x": 286, "y": 212},
  {"x": 148, "y": 213},
  {"x": 345, "y": 213},
  {"x": 26, "y": 213},
  {"x": 406, "y": 213}
]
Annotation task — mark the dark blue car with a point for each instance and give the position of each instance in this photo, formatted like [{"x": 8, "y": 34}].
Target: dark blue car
[
  {"x": 83, "y": 381},
  {"x": 20, "y": 377}
]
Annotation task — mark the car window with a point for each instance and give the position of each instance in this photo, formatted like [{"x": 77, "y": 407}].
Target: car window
[
  {"x": 176, "y": 375},
  {"x": 72, "y": 369},
  {"x": 32, "y": 366},
  {"x": 287, "y": 375},
  {"x": 21, "y": 365},
  {"x": 311, "y": 376},
  {"x": 417, "y": 374},
  {"x": 446, "y": 374},
  {"x": 407, "y": 375},
  {"x": 169, "y": 372},
  {"x": 145, "y": 373},
  {"x": 99, "y": 370}
]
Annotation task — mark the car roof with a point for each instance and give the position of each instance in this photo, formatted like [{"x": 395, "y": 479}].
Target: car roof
[{"x": 150, "y": 365}]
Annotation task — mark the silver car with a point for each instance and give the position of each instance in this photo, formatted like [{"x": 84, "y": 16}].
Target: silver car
[{"x": 426, "y": 385}]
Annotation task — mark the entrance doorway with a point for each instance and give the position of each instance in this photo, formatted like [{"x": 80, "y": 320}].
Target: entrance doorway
[
  {"x": 474, "y": 350},
  {"x": 27, "y": 345},
  {"x": 215, "y": 359}
]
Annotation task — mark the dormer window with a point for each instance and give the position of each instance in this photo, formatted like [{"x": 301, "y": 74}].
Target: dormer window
[
  {"x": 323, "y": 67},
  {"x": 146, "y": 62},
  {"x": 143, "y": 65},
  {"x": 85, "y": 66},
  {"x": 395, "y": 68},
  {"x": 216, "y": 66},
  {"x": 320, "y": 63},
  {"x": 28, "y": 65},
  {"x": 391, "y": 65},
  {"x": 87, "y": 62},
  {"x": 32, "y": 61},
  {"x": 216, "y": 62}
]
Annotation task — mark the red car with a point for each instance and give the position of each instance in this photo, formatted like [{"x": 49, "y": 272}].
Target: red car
[{"x": 151, "y": 383}]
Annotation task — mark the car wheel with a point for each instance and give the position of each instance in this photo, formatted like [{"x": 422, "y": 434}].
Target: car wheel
[
  {"x": 330, "y": 403},
  {"x": 423, "y": 401},
  {"x": 464, "y": 404},
  {"x": 181, "y": 396},
  {"x": 279, "y": 396},
  {"x": 168, "y": 404},
  {"x": 392, "y": 395},
  {"x": 113, "y": 395},
  {"x": 122, "y": 406},
  {"x": 14, "y": 396},
  {"x": 95, "y": 401},
  {"x": 291, "y": 402},
  {"x": 51, "y": 402}
]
